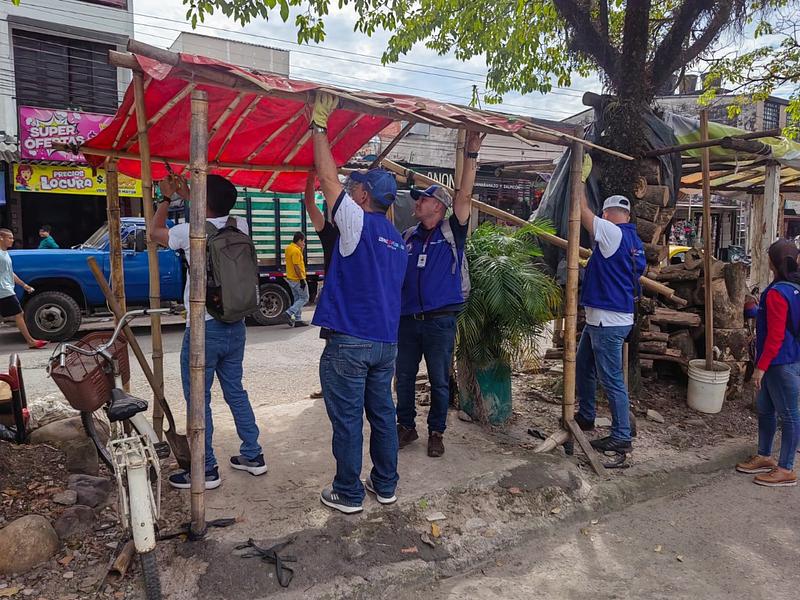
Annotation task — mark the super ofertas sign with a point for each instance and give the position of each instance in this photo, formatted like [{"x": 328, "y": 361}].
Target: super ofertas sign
[{"x": 40, "y": 128}]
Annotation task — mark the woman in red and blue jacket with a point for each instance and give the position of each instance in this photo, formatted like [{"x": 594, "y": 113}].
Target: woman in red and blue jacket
[{"x": 777, "y": 373}]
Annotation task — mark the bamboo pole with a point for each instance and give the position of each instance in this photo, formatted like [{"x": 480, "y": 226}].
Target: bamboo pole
[
  {"x": 197, "y": 308},
  {"x": 710, "y": 143},
  {"x": 154, "y": 270},
  {"x": 183, "y": 163},
  {"x": 571, "y": 291},
  {"x": 648, "y": 284},
  {"x": 298, "y": 146},
  {"x": 707, "y": 251},
  {"x": 245, "y": 113},
  {"x": 116, "y": 266}
]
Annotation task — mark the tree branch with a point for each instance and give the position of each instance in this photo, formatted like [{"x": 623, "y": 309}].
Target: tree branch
[
  {"x": 586, "y": 39},
  {"x": 667, "y": 57},
  {"x": 635, "y": 37}
]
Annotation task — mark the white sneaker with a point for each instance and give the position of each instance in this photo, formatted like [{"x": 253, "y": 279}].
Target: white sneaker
[{"x": 381, "y": 499}]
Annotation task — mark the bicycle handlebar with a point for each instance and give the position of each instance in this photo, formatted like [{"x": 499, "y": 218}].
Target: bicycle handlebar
[{"x": 62, "y": 349}]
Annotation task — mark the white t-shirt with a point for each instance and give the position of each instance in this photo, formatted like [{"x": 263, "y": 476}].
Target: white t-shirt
[
  {"x": 607, "y": 237},
  {"x": 6, "y": 275},
  {"x": 179, "y": 240},
  {"x": 349, "y": 218}
]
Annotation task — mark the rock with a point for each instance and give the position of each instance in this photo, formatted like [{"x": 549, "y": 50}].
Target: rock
[
  {"x": 68, "y": 574},
  {"x": 50, "y": 408},
  {"x": 462, "y": 416},
  {"x": 435, "y": 516},
  {"x": 74, "y": 521},
  {"x": 654, "y": 415},
  {"x": 602, "y": 422},
  {"x": 67, "y": 497},
  {"x": 81, "y": 456},
  {"x": 59, "y": 432},
  {"x": 26, "y": 542},
  {"x": 474, "y": 523},
  {"x": 92, "y": 491}
]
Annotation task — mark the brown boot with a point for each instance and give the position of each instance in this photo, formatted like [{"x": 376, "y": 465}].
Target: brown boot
[
  {"x": 435, "y": 444},
  {"x": 776, "y": 478},
  {"x": 406, "y": 436},
  {"x": 757, "y": 464}
]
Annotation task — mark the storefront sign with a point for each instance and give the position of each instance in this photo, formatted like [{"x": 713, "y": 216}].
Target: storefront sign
[
  {"x": 40, "y": 128},
  {"x": 75, "y": 179}
]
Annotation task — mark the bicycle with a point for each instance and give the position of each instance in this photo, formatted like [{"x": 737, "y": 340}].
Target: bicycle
[{"x": 90, "y": 374}]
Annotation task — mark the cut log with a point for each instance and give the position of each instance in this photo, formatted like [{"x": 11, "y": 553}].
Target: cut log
[
  {"x": 653, "y": 336},
  {"x": 693, "y": 259},
  {"x": 667, "y": 316},
  {"x": 734, "y": 344},
  {"x": 648, "y": 231},
  {"x": 657, "y": 194},
  {"x": 651, "y": 171},
  {"x": 646, "y": 306},
  {"x": 684, "y": 343},
  {"x": 653, "y": 347},
  {"x": 645, "y": 365},
  {"x": 646, "y": 210},
  {"x": 672, "y": 352},
  {"x": 674, "y": 273},
  {"x": 554, "y": 354},
  {"x": 666, "y": 358}
]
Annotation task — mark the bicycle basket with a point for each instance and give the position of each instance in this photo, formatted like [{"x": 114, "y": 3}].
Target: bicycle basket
[{"x": 85, "y": 381}]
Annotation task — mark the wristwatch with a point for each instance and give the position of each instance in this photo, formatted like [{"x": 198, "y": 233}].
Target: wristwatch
[
  {"x": 472, "y": 155},
  {"x": 317, "y": 129}
]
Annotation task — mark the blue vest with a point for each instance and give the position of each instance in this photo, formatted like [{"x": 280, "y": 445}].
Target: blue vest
[
  {"x": 361, "y": 296},
  {"x": 611, "y": 283},
  {"x": 437, "y": 285},
  {"x": 790, "y": 349}
]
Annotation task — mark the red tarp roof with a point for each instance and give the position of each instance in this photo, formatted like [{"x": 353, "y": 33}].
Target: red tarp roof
[{"x": 261, "y": 119}]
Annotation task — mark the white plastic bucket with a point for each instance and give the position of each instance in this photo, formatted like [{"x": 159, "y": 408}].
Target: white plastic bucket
[{"x": 707, "y": 388}]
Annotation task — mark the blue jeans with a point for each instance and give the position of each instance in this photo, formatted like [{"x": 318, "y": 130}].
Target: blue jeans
[
  {"x": 600, "y": 357},
  {"x": 356, "y": 376},
  {"x": 778, "y": 396},
  {"x": 224, "y": 356},
  {"x": 433, "y": 339},
  {"x": 300, "y": 296}
]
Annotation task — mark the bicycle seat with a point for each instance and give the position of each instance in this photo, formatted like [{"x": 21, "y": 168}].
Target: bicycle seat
[{"x": 124, "y": 406}]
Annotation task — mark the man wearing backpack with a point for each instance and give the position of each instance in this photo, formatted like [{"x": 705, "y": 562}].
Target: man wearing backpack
[
  {"x": 434, "y": 291},
  {"x": 228, "y": 301}
]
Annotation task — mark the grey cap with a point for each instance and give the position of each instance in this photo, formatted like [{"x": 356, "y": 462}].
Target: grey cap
[
  {"x": 617, "y": 201},
  {"x": 435, "y": 191}
]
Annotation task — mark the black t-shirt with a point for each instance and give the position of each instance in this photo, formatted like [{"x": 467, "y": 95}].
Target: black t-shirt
[{"x": 328, "y": 237}]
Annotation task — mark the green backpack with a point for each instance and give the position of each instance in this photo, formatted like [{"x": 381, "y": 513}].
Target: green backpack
[{"x": 232, "y": 273}]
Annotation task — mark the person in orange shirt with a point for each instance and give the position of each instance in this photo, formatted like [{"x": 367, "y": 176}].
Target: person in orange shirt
[{"x": 296, "y": 277}]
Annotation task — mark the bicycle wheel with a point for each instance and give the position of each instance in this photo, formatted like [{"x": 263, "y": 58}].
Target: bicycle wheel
[
  {"x": 152, "y": 581},
  {"x": 87, "y": 419}
]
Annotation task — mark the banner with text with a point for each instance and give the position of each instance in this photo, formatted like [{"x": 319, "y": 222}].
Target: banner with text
[
  {"x": 40, "y": 128},
  {"x": 74, "y": 179}
]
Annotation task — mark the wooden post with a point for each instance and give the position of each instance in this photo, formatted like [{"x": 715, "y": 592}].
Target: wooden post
[
  {"x": 571, "y": 290},
  {"x": 152, "y": 253},
  {"x": 116, "y": 266},
  {"x": 196, "y": 427},
  {"x": 764, "y": 226},
  {"x": 707, "y": 251}
]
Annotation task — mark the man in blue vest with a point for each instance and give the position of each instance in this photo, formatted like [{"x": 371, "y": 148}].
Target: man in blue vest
[
  {"x": 610, "y": 283},
  {"x": 359, "y": 311},
  {"x": 432, "y": 298}
]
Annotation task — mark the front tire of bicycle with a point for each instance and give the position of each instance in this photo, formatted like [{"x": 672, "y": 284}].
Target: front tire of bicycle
[
  {"x": 152, "y": 581},
  {"x": 87, "y": 418}
]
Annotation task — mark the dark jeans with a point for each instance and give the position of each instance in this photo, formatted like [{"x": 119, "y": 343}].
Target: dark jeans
[
  {"x": 356, "y": 376},
  {"x": 433, "y": 339},
  {"x": 778, "y": 396},
  {"x": 224, "y": 356},
  {"x": 600, "y": 357}
]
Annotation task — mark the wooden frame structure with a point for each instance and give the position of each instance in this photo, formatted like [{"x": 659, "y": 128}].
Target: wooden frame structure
[{"x": 129, "y": 150}]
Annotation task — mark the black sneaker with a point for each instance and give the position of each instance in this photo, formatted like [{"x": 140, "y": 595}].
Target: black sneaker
[
  {"x": 255, "y": 466},
  {"x": 381, "y": 499},
  {"x": 182, "y": 480},
  {"x": 583, "y": 423},
  {"x": 330, "y": 498},
  {"x": 405, "y": 436},
  {"x": 608, "y": 444},
  {"x": 299, "y": 323},
  {"x": 290, "y": 319}
]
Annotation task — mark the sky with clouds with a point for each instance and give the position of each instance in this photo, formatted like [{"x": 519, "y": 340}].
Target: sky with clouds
[{"x": 350, "y": 58}]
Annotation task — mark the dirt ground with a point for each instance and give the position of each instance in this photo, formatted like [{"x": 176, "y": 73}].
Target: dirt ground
[{"x": 30, "y": 475}]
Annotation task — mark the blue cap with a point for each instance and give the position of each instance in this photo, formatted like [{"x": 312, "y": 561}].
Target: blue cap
[{"x": 380, "y": 184}]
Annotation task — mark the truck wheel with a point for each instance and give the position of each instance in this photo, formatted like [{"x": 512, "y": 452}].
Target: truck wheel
[
  {"x": 274, "y": 301},
  {"x": 52, "y": 316}
]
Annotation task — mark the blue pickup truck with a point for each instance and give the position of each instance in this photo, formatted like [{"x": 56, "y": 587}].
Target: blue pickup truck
[{"x": 65, "y": 290}]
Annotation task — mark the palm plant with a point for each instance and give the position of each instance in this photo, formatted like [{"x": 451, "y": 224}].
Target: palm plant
[{"x": 510, "y": 302}]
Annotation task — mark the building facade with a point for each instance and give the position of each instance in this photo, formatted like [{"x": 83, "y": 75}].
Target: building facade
[{"x": 57, "y": 86}]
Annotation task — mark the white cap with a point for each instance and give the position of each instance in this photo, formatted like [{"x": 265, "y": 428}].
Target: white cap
[{"x": 617, "y": 201}]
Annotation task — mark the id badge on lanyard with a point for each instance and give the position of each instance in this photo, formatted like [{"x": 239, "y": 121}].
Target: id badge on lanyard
[{"x": 422, "y": 259}]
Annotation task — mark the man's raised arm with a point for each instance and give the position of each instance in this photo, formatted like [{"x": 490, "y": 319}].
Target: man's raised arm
[{"x": 327, "y": 171}]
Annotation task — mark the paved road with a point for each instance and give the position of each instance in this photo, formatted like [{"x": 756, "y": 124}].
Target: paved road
[{"x": 735, "y": 540}]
